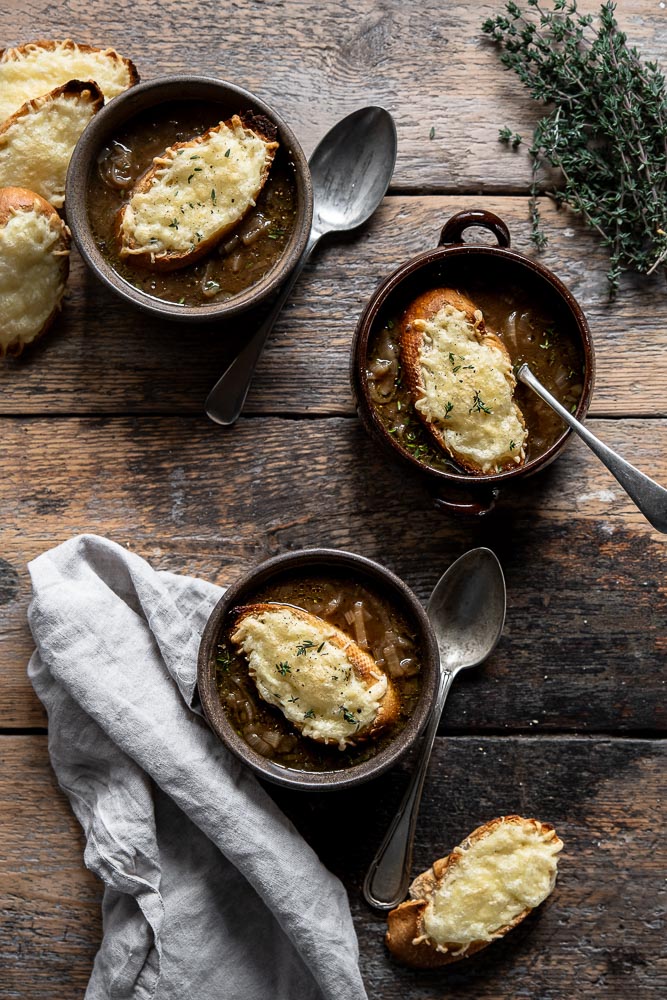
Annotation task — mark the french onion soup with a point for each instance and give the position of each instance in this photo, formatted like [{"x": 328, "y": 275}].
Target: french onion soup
[
  {"x": 316, "y": 672},
  {"x": 441, "y": 376},
  {"x": 189, "y": 208}
]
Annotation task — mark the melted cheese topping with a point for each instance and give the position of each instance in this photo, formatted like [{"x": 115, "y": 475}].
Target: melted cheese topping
[
  {"x": 308, "y": 678},
  {"x": 36, "y": 148},
  {"x": 468, "y": 391},
  {"x": 31, "y": 282},
  {"x": 497, "y": 878},
  {"x": 34, "y": 71},
  {"x": 198, "y": 191}
]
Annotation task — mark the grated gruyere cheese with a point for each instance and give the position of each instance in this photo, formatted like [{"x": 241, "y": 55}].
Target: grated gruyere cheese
[
  {"x": 468, "y": 391},
  {"x": 318, "y": 690},
  {"x": 492, "y": 882},
  {"x": 32, "y": 70},
  {"x": 31, "y": 280},
  {"x": 36, "y": 148},
  {"x": 198, "y": 191}
]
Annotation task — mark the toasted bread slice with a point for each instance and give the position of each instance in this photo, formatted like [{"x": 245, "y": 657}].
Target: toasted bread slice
[
  {"x": 34, "y": 264},
  {"x": 37, "y": 68},
  {"x": 484, "y": 888},
  {"x": 322, "y": 681},
  {"x": 195, "y": 192},
  {"x": 462, "y": 383},
  {"x": 36, "y": 142}
]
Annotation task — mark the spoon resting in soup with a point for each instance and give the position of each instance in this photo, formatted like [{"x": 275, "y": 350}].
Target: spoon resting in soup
[{"x": 441, "y": 378}]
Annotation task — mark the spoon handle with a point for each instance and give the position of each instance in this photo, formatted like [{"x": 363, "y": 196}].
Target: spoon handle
[
  {"x": 225, "y": 400},
  {"x": 649, "y": 496},
  {"x": 387, "y": 879}
]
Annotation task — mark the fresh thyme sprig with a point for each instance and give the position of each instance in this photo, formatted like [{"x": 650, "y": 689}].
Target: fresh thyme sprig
[{"x": 606, "y": 131}]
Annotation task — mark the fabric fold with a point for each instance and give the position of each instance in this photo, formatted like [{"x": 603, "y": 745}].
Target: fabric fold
[{"x": 209, "y": 888}]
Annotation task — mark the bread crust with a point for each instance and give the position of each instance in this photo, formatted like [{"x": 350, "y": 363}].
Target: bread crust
[
  {"x": 172, "y": 260},
  {"x": 425, "y": 307},
  {"x": 406, "y": 937},
  {"x": 363, "y": 663},
  {"x": 14, "y": 200},
  {"x": 73, "y": 88},
  {"x": 86, "y": 91},
  {"x": 18, "y": 52}
]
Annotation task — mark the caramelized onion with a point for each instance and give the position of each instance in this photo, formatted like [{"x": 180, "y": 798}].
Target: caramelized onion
[
  {"x": 333, "y": 604},
  {"x": 116, "y": 166},
  {"x": 392, "y": 661},
  {"x": 253, "y": 229},
  {"x": 255, "y": 741},
  {"x": 360, "y": 625}
]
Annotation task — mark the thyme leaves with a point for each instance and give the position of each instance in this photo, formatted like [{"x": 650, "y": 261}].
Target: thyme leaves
[{"x": 606, "y": 129}]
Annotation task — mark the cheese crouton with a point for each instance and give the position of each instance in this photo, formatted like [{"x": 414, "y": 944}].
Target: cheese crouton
[
  {"x": 36, "y": 68},
  {"x": 195, "y": 192},
  {"x": 34, "y": 264},
  {"x": 323, "y": 683},
  {"x": 483, "y": 889},
  {"x": 37, "y": 141},
  {"x": 462, "y": 383}
]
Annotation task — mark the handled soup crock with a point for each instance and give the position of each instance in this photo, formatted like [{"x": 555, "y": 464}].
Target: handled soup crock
[{"x": 449, "y": 264}]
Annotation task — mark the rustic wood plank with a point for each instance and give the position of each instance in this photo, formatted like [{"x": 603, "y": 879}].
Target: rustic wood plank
[
  {"x": 49, "y": 903},
  {"x": 584, "y": 641},
  {"x": 599, "y": 934},
  {"x": 428, "y": 63},
  {"x": 105, "y": 357}
]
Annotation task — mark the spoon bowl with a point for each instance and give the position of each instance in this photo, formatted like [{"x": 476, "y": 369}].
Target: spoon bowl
[
  {"x": 350, "y": 171},
  {"x": 467, "y": 610},
  {"x": 467, "y": 613}
]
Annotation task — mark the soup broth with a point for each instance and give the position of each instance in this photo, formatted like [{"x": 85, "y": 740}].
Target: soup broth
[
  {"x": 243, "y": 256},
  {"x": 371, "y": 619},
  {"x": 531, "y": 332}
]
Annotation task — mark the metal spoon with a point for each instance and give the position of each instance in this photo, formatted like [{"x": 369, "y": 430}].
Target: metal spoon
[
  {"x": 649, "y": 496},
  {"x": 467, "y": 612},
  {"x": 350, "y": 169}
]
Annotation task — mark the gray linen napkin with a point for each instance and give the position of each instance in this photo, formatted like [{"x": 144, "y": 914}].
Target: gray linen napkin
[{"x": 209, "y": 891}]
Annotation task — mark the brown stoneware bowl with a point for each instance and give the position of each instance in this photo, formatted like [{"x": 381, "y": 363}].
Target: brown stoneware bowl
[
  {"x": 296, "y": 566},
  {"x": 457, "y": 264},
  {"x": 228, "y": 100}
]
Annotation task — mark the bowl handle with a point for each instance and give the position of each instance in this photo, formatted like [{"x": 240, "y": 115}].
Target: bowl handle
[
  {"x": 465, "y": 505},
  {"x": 452, "y": 231}
]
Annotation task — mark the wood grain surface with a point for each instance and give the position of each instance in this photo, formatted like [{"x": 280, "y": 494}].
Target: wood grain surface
[
  {"x": 102, "y": 430},
  {"x": 585, "y": 573},
  {"x": 428, "y": 63},
  {"x": 599, "y": 934},
  {"x": 105, "y": 357}
]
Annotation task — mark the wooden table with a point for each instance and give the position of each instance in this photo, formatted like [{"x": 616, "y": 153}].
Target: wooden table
[{"x": 102, "y": 430}]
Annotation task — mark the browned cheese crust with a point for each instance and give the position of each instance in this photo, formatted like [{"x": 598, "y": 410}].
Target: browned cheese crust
[
  {"x": 425, "y": 307},
  {"x": 362, "y": 662},
  {"x": 16, "y": 199},
  {"x": 405, "y": 924},
  {"x": 15, "y": 53},
  {"x": 87, "y": 90},
  {"x": 172, "y": 260}
]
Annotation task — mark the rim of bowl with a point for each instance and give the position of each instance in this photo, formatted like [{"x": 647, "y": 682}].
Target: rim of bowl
[
  {"x": 112, "y": 117},
  {"x": 318, "y": 559},
  {"x": 391, "y": 285}
]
